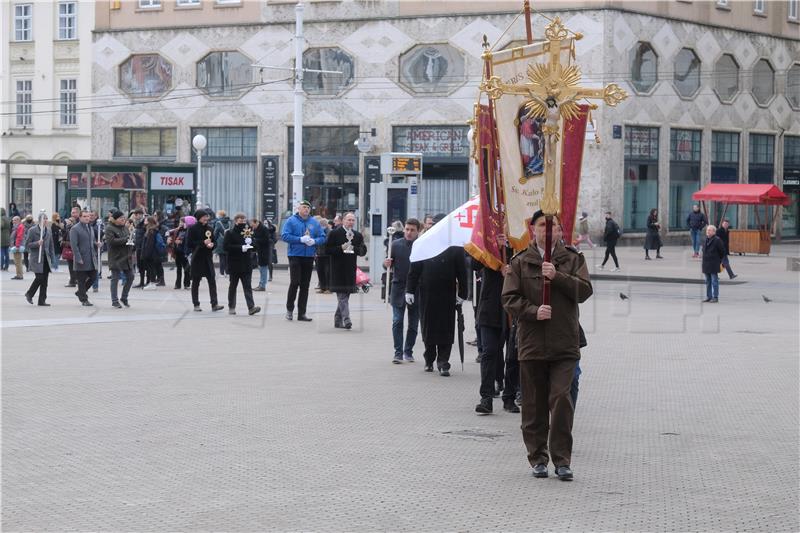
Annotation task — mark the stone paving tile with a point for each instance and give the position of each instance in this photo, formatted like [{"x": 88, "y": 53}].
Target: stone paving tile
[{"x": 687, "y": 420}]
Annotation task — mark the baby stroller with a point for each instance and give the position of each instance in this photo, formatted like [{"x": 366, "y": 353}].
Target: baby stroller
[{"x": 362, "y": 281}]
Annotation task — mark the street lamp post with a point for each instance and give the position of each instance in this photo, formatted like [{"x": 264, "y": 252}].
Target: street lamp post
[
  {"x": 199, "y": 144},
  {"x": 299, "y": 96}
]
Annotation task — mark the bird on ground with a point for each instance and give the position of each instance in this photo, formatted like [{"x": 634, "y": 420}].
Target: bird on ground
[
  {"x": 623, "y": 296},
  {"x": 767, "y": 300}
]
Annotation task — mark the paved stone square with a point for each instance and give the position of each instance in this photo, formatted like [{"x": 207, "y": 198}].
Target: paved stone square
[{"x": 156, "y": 418}]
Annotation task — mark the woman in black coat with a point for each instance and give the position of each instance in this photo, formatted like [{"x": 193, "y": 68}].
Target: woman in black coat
[
  {"x": 262, "y": 241},
  {"x": 713, "y": 254},
  {"x": 653, "y": 240}
]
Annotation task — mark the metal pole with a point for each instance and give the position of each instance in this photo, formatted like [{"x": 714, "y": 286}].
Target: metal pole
[
  {"x": 299, "y": 96},
  {"x": 199, "y": 204},
  {"x": 89, "y": 186}
]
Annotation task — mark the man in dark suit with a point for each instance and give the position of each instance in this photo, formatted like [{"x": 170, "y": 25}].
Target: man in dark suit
[
  {"x": 84, "y": 256},
  {"x": 399, "y": 265}
]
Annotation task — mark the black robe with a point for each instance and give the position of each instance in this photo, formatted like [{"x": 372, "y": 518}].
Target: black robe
[
  {"x": 343, "y": 266},
  {"x": 436, "y": 279}
]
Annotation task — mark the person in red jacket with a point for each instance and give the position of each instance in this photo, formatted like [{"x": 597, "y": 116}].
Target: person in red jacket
[{"x": 17, "y": 244}]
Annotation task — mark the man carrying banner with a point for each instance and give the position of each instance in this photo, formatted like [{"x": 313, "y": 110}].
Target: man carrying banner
[
  {"x": 548, "y": 343},
  {"x": 442, "y": 281}
]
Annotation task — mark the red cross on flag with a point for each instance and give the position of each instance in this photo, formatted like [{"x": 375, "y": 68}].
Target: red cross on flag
[{"x": 453, "y": 230}]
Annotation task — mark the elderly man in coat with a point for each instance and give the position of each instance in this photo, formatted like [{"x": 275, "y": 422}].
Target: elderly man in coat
[
  {"x": 548, "y": 343},
  {"x": 41, "y": 267},
  {"x": 84, "y": 252},
  {"x": 120, "y": 256},
  {"x": 344, "y": 244}
]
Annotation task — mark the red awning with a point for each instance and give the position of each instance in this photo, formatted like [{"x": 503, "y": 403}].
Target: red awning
[{"x": 742, "y": 193}]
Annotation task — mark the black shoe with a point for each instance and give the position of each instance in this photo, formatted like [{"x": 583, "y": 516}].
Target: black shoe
[
  {"x": 510, "y": 406},
  {"x": 116, "y": 305},
  {"x": 176, "y": 287},
  {"x": 217, "y": 307},
  {"x": 428, "y": 368},
  {"x": 564, "y": 473},
  {"x": 337, "y": 325},
  {"x": 398, "y": 360},
  {"x": 289, "y": 316},
  {"x": 253, "y": 310},
  {"x": 485, "y": 407},
  {"x": 303, "y": 318},
  {"x": 87, "y": 303},
  {"x": 125, "y": 302},
  {"x": 707, "y": 300},
  {"x": 43, "y": 304},
  {"x": 348, "y": 325},
  {"x": 735, "y": 276},
  {"x": 659, "y": 257},
  {"x": 29, "y": 298},
  {"x": 540, "y": 470},
  {"x": 160, "y": 284},
  {"x": 714, "y": 300},
  {"x": 444, "y": 372},
  {"x": 648, "y": 258}
]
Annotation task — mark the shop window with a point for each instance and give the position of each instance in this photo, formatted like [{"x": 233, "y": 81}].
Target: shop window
[
  {"x": 791, "y": 186},
  {"x": 330, "y": 166},
  {"x": 22, "y": 195},
  {"x": 686, "y": 76},
  {"x": 145, "y": 142},
  {"x": 332, "y": 59},
  {"x": 225, "y": 74},
  {"x": 145, "y": 76},
  {"x": 726, "y": 78},
  {"x": 228, "y": 143},
  {"x": 761, "y": 161},
  {"x": 641, "y": 176},
  {"x": 763, "y": 82},
  {"x": 644, "y": 67},
  {"x": 432, "y": 69},
  {"x": 793, "y": 86},
  {"x": 684, "y": 174}
]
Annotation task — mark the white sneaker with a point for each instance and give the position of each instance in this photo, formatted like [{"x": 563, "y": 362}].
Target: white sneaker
[
  {"x": 615, "y": 269},
  {"x": 149, "y": 287},
  {"x": 601, "y": 267}
]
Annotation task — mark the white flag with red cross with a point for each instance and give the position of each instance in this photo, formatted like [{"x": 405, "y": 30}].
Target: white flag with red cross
[{"x": 453, "y": 230}]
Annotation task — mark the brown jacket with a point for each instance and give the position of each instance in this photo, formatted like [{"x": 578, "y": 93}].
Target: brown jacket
[{"x": 557, "y": 338}]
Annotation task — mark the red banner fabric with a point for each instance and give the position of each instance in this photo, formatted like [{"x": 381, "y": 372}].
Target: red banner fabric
[
  {"x": 489, "y": 221},
  {"x": 574, "y": 133}
]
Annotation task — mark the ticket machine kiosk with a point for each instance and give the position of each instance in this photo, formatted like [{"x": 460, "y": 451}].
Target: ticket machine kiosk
[{"x": 396, "y": 197}]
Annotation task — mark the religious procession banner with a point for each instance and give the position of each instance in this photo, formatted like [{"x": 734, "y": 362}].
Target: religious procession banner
[
  {"x": 521, "y": 140},
  {"x": 490, "y": 219}
]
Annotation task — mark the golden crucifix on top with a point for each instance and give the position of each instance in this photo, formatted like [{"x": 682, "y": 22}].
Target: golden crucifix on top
[{"x": 553, "y": 93}]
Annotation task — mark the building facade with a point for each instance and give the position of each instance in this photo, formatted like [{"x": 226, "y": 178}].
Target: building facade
[
  {"x": 714, "y": 96},
  {"x": 45, "y": 89}
]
